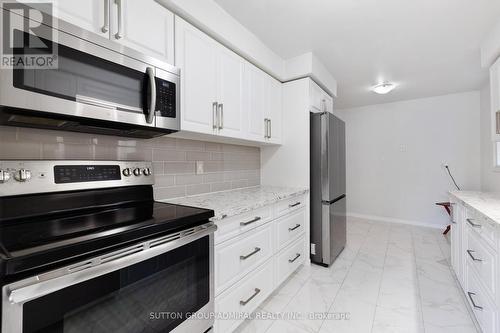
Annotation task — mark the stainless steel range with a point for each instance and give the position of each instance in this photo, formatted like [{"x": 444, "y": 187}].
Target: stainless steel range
[{"x": 85, "y": 248}]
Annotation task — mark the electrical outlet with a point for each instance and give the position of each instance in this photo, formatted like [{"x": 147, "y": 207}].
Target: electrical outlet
[{"x": 200, "y": 168}]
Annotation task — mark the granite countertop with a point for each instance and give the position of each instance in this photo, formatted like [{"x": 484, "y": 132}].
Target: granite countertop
[
  {"x": 234, "y": 202},
  {"x": 487, "y": 203}
]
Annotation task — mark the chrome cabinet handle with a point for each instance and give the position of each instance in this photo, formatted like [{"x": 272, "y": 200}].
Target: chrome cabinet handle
[
  {"x": 105, "y": 27},
  {"x": 257, "y": 250},
  {"x": 221, "y": 116},
  {"x": 152, "y": 102},
  {"x": 214, "y": 115},
  {"x": 296, "y": 226},
  {"x": 473, "y": 258},
  {"x": 255, "y": 219},
  {"x": 472, "y": 301},
  {"x": 257, "y": 291},
  {"x": 294, "y": 205},
  {"x": 266, "y": 129},
  {"x": 270, "y": 128},
  {"x": 475, "y": 225},
  {"x": 297, "y": 256},
  {"x": 119, "y": 33}
]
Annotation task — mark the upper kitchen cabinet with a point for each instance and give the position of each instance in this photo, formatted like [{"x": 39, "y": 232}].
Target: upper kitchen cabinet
[
  {"x": 274, "y": 111},
  {"x": 221, "y": 93},
  {"x": 264, "y": 106},
  {"x": 495, "y": 100},
  {"x": 320, "y": 100},
  {"x": 128, "y": 22},
  {"x": 231, "y": 113},
  {"x": 256, "y": 103},
  {"x": 145, "y": 26},
  {"x": 195, "y": 55},
  {"x": 212, "y": 100},
  {"x": 91, "y": 15}
]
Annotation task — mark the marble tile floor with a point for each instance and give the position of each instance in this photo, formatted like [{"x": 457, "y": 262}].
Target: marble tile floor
[{"x": 389, "y": 278}]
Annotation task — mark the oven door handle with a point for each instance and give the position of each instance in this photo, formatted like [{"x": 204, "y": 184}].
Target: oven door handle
[
  {"x": 35, "y": 287},
  {"x": 152, "y": 95}
]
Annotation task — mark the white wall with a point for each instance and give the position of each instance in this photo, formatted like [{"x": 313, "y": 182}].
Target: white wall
[
  {"x": 395, "y": 152},
  {"x": 490, "y": 179}
]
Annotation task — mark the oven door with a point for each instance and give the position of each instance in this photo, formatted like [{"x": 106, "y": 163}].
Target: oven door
[
  {"x": 162, "y": 285},
  {"x": 89, "y": 81}
]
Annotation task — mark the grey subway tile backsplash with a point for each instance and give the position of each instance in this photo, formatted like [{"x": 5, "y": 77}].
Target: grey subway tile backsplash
[{"x": 174, "y": 160}]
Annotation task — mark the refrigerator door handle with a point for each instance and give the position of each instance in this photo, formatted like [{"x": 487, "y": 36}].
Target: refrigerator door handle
[{"x": 329, "y": 202}]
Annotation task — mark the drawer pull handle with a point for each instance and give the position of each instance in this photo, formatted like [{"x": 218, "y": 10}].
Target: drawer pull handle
[
  {"x": 296, "y": 226},
  {"x": 257, "y": 291},
  {"x": 257, "y": 250},
  {"x": 255, "y": 219},
  {"x": 297, "y": 256},
  {"x": 294, "y": 205},
  {"x": 473, "y": 258},
  {"x": 475, "y": 225},
  {"x": 472, "y": 301}
]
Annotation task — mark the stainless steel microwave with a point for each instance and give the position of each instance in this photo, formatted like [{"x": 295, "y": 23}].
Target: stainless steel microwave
[{"x": 98, "y": 86}]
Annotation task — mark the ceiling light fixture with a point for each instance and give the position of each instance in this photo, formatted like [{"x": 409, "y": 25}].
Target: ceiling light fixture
[{"x": 383, "y": 88}]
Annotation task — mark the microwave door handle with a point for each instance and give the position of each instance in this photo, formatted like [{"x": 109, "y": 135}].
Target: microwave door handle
[{"x": 152, "y": 102}]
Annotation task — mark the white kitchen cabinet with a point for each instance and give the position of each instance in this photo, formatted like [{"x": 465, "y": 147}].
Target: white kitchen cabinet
[
  {"x": 274, "y": 111},
  {"x": 145, "y": 26},
  {"x": 475, "y": 261},
  {"x": 231, "y": 113},
  {"x": 495, "y": 100},
  {"x": 254, "y": 253},
  {"x": 91, "y": 15},
  {"x": 195, "y": 55},
  {"x": 320, "y": 100},
  {"x": 211, "y": 84},
  {"x": 264, "y": 107},
  {"x": 257, "y": 100}
]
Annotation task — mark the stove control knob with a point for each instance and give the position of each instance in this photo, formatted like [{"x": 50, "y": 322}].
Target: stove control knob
[
  {"x": 146, "y": 171},
  {"x": 22, "y": 175},
  {"x": 4, "y": 176},
  {"x": 137, "y": 172},
  {"x": 126, "y": 172}
]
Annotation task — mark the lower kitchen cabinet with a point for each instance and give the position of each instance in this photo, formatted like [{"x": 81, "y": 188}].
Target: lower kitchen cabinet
[
  {"x": 475, "y": 260},
  {"x": 254, "y": 253}
]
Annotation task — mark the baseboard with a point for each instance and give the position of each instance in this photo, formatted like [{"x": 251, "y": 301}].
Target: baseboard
[{"x": 393, "y": 220}]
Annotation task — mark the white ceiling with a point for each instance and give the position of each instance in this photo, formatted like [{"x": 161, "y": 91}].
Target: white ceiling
[{"x": 428, "y": 47}]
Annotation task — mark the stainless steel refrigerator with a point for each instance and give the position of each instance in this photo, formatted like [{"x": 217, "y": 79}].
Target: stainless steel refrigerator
[{"x": 328, "y": 188}]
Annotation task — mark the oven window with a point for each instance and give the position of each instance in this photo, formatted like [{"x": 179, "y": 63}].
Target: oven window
[
  {"x": 152, "y": 296},
  {"x": 85, "y": 78}
]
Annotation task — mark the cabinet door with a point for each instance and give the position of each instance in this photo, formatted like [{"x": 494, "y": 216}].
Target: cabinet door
[
  {"x": 91, "y": 15},
  {"x": 230, "y": 69},
  {"x": 495, "y": 100},
  {"x": 145, "y": 26},
  {"x": 257, "y": 84},
  {"x": 274, "y": 111},
  {"x": 195, "y": 56},
  {"x": 316, "y": 95}
]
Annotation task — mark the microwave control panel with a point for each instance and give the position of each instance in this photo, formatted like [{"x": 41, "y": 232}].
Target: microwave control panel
[{"x": 165, "y": 98}]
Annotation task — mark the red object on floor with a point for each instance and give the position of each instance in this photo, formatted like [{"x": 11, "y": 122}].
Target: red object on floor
[{"x": 447, "y": 206}]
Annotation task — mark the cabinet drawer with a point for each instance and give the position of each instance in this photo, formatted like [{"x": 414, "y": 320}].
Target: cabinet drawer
[
  {"x": 482, "y": 259},
  {"x": 290, "y": 226},
  {"x": 483, "y": 226},
  {"x": 291, "y": 204},
  {"x": 480, "y": 302},
  {"x": 239, "y": 256},
  {"x": 289, "y": 259},
  {"x": 236, "y": 225},
  {"x": 244, "y": 297}
]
